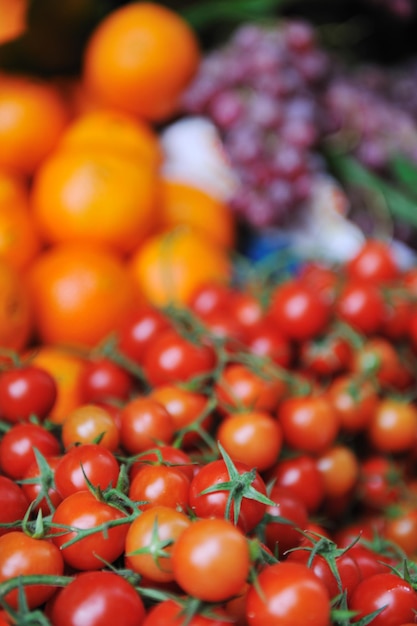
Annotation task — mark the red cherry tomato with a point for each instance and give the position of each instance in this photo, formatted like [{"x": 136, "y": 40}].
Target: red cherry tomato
[
  {"x": 102, "y": 598},
  {"x": 298, "y": 311},
  {"x": 16, "y": 448},
  {"x": 22, "y": 555},
  {"x": 288, "y": 593},
  {"x": 102, "y": 380},
  {"x": 215, "y": 503},
  {"x": 25, "y": 391},
  {"x": 172, "y": 358},
  {"x": 211, "y": 560},
  {"x": 83, "y": 511},
  {"x": 83, "y": 464},
  {"x": 13, "y": 504}
]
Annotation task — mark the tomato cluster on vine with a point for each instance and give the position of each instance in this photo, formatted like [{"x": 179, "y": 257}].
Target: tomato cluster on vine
[{"x": 254, "y": 446}]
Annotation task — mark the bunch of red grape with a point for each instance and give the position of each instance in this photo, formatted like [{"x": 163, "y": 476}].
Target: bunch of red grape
[
  {"x": 369, "y": 123},
  {"x": 260, "y": 90}
]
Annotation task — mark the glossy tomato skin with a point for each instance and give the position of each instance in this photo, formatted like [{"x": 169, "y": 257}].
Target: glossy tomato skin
[
  {"x": 16, "y": 448},
  {"x": 102, "y": 379},
  {"x": 301, "y": 475},
  {"x": 102, "y": 598},
  {"x": 13, "y": 503},
  {"x": 214, "y": 504},
  {"x": 288, "y": 593},
  {"x": 170, "y": 613},
  {"x": 299, "y": 312},
  {"x": 144, "y": 423},
  {"x": 150, "y": 542},
  {"x": 25, "y": 391},
  {"x": 361, "y": 305},
  {"x": 240, "y": 387},
  {"x": 139, "y": 331},
  {"x": 211, "y": 560},
  {"x": 172, "y": 357},
  {"x": 162, "y": 485},
  {"x": 82, "y": 510},
  {"x": 309, "y": 423},
  {"x": 389, "y": 592},
  {"x": 374, "y": 262},
  {"x": 87, "y": 462},
  {"x": 21, "y": 554}
]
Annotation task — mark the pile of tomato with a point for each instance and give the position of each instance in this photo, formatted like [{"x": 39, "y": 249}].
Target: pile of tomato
[{"x": 249, "y": 459}]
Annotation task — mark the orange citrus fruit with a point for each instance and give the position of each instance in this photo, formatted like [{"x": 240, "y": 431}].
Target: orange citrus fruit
[
  {"x": 66, "y": 368},
  {"x": 19, "y": 240},
  {"x": 94, "y": 197},
  {"x": 140, "y": 58},
  {"x": 15, "y": 309},
  {"x": 32, "y": 118},
  {"x": 79, "y": 294},
  {"x": 181, "y": 203},
  {"x": 169, "y": 266},
  {"x": 114, "y": 131}
]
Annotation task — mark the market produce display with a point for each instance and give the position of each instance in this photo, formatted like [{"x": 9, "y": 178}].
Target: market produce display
[{"x": 208, "y": 321}]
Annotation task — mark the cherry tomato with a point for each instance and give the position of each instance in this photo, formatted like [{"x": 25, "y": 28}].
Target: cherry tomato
[
  {"x": 378, "y": 359},
  {"x": 13, "y": 504},
  {"x": 264, "y": 339},
  {"x": 163, "y": 455},
  {"x": 101, "y": 598},
  {"x": 162, "y": 485},
  {"x": 88, "y": 463},
  {"x": 326, "y": 356},
  {"x": 309, "y": 423},
  {"x": 393, "y": 426},
  {"x": 150, "y": 542},
  {"x": 322, "y": 278},
  {"x": 102, "y": 379},
  {"x": 216, "y": 502},
  {"x": 83, "y": 511},
  {"x": 281, "y": 536},
  {"x": 89, "y": 423},
  {"x": 339, "y": 572},
  {"x": 354, "y": 400},
  {"x": 339, "y": 467},
  {"x": 375, "y": 262},
  {"x": 361, "y": 305},
  {"x": 301, "y": 475},
  {"x": 245, "y": 308},
  {"x": 211, "y": 560},
  {"x": 401, "y": 528},
  {"x": 298, "y": 311},
  {"x": 22, "y": 555},
  {"x": 188, "y": 410},
  {"x": 209, "y": 297},
  {"x": 139, "y": 332},
  {"x": 171, "y": 613},
  {"x": 25, "y": 391},
  {"x": 145, "y": 422},
  {"x": 252, "y": 437},
  {"x": 288, "y": 593},
  {"x": 388, "y": 592},
  {"x": 172, "y": 357},
  {"x": 17, "y": 444},
  {"x": 240, "y": 387},
  {"x": 380, "y": 482}
]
